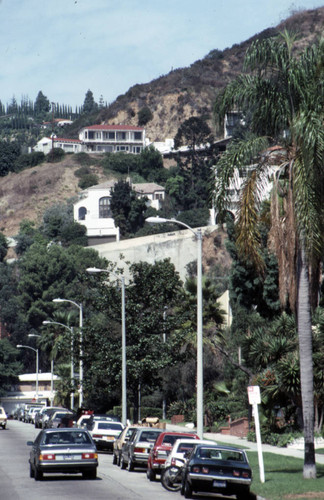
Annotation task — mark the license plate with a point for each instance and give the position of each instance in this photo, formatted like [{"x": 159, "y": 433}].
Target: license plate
[
  {"x": 219, "y": 484},
  {"x": 68, "y": 457}
]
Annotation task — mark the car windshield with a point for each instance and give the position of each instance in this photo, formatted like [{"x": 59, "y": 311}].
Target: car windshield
[
  {"x": 109, "y": 425},
  {"x": 219, "y": 454},
  {"x": 148, "y": 436},
  {"x": 73, "y": 437}
]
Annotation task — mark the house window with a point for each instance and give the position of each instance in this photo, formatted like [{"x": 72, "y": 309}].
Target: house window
[
  {"x": 82, "y": 213},
  {"x": 104, "y": 208},
  {"x": 137, "y": 149},
  {"x": 138, "y": 136},
  {"x": 122, "y": 148},
  {"x": 91, "y": 135},
  {"x": 158, "y": 196},
  {"x": 111, "y": 135},
  {"x": 121, "y": 136}
]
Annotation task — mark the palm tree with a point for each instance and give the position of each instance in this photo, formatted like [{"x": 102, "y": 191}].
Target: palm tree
[{"x": 282, "y": 100}]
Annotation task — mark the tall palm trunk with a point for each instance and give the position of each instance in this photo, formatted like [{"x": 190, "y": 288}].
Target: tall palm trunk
[{"x": 306, "y": 364}]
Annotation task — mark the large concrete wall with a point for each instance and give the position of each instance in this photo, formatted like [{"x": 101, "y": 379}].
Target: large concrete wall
[{"x": 179, "y": 246}]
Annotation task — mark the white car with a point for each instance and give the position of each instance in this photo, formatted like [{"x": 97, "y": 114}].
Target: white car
[
  {"x": 3, "y": 417},
  {"x": 180, "y": 448},
  {"x": 104, "y": 433}
]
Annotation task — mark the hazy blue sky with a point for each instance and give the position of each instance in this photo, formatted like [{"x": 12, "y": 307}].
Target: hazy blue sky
[{"x": 65, "y": 47}]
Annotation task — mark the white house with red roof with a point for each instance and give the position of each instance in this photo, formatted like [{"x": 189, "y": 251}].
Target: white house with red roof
[
  {"x": 112, "y": 138},
  {"x": 46, "y": 144}
]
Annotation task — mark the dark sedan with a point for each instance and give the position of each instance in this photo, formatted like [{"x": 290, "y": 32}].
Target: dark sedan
[
  {"x": 68, "y": 450},
  {"x": 217, "y": 469}
]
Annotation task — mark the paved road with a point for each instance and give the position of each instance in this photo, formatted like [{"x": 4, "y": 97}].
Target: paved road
[{"x": 112, "y": 483}]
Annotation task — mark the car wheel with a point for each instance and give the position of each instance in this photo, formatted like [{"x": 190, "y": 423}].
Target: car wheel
[
  {"x": 114, "y": 459},
  {"x": 244, "y": 494},
  {"x": 90, "y": 474},
  {"x": 118, "y": 460},
  {"x": 187, "y": 490},
  {"x": 38, "y": 475},
  {"x": 31, "y": 471},
  {"x": 131, "y": 465},
  {"x": 150, "y": 474},
  {"x": 123, "y": 464}
]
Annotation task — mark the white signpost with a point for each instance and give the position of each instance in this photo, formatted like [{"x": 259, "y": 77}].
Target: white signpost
[{"x": 255, "y": 400}]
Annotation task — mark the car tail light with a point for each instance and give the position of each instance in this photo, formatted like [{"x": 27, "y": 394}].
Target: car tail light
[
  {"x": 245, "y": 474},
  {"x": 47, "y": 456},
  {"x": 236, "y": 473},
  {"x": 205, "y": 470},
  {"x": 87, "y": 456},
  {"x": 97, "y": 436},
  {"x": 173, "y": 461},
  {"x": 196, "y": 469},
  {"x": 139, "y": 450}
]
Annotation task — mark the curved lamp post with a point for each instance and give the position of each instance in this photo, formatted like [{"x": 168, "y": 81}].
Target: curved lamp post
[
  {"x": 70, "y": 328},
  {"x": 200, "y": 375},
  {"x": 79, "y": 306},
  {"x": 93, "y": 270},
  {"x": 36, "y": 351}
]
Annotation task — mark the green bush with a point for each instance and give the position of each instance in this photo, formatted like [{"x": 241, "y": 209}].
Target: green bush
[
  {"x": 273, "y": 438},
  {"x": 88, "y": 180},
  {"x": 29, "y": 160},
  {"x": 55, "y": 155},
  {"x": 83, "y": 159}
]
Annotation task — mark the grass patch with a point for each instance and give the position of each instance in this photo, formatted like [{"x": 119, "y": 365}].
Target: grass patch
[{"x": 284, "y": 478}]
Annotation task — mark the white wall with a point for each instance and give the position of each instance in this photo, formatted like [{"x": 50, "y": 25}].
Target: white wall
[{"x": 179, "y": 246}]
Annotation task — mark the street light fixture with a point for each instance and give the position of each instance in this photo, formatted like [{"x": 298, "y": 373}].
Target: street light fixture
[
  {"x": 200, "y": 374},
  {"x": 46, "y": 322},
  {"x": 19, "y": 346},
  {"x": 79, "y": 306},
  {"x": 94, "y": 270}
]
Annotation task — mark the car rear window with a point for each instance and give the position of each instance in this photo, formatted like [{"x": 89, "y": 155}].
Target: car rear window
[
  {"x": 219, "y": 454},
  {"x": 67, "y": 438},
  {"x": 184, "y": 447},
  {"x": 148, "y": 436},
  {"x": 171, "y": 439},
  {"x": 109, "y": 425}
]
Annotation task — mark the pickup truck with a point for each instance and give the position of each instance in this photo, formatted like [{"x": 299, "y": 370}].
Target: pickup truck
[{"x": 3, "y": 418}]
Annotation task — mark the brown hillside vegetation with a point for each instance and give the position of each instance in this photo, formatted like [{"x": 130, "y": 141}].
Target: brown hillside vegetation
[{"x": 172, "y": 98}]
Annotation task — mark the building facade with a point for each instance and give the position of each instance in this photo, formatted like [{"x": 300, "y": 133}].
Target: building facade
[{"x": 112, "y": 139}]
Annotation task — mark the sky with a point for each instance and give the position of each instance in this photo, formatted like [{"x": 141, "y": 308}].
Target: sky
[{"x": 65, "y": 47}]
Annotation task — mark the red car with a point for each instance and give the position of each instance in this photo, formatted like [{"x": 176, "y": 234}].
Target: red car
[{"x": 161, "y": 449}]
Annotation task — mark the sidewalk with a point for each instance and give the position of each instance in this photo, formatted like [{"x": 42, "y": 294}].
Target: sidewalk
[{"x": 249, "y": 445}]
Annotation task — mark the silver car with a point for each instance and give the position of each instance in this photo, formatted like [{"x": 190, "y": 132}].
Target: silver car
[
  {"x": 136, "y": 450},
  {"x": 68, "y": 450}
]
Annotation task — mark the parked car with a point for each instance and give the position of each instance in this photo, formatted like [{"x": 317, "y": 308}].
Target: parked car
[
  {"x": 161, "y": 449},
  {"x": 63, "y": 451},
  {"x": 47, "y": 413},
  {"x": 136, "y": 450},
  {"x": 119, "y": 442},
  {"x": 104, "y": 433},
  {"x": 3, "y": 417},
  {"x": 217, "y": 469},
  {"x": 171, "y": 475},
  {"x": 181, "y": 448},
  {"x": 58, "y": 417}
]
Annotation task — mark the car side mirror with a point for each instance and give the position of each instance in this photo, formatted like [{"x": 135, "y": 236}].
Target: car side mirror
[{"x": 30, "y": 443}]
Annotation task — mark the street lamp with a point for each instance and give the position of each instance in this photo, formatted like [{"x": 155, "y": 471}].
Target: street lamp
[
  {"x": 79, "y": 306},
  {"x": 93, "y": 270},
  {"x": 36, "y": 351},
  {"x": 72, "y": 362},
  {"x": 200, "y": 374}
]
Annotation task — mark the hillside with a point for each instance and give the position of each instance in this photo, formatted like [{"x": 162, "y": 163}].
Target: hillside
[
  {"x": 191, "y": 91},
  {"x": 172, "y": 99}
]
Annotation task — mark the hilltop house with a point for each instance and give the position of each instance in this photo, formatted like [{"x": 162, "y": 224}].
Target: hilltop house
[
  {"x": 93, "y": 209},
  {"x": 98, "y": 139},
  {"x": 112, "y": 138}
]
